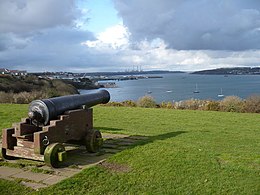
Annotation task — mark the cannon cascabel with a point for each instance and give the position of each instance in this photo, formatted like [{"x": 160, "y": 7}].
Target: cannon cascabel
[{"x": 42, "y": 111}]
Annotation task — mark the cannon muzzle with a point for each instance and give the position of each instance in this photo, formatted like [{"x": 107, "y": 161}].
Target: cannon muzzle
[{"x": 42, "y": 111}]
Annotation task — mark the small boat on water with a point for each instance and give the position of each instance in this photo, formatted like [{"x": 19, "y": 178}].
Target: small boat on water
[
  {"x": 149, "y": 92},
  {"x": 169, "y": 91},
  {"x": 221, "y": 93},
  {"x": 196, "y": 89}
]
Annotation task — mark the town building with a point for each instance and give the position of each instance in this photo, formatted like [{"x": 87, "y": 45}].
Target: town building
[{"x": 5, "y": 71}]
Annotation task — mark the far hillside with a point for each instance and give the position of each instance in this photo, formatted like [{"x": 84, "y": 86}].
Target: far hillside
[
  {"x": 231, "y": 71},
  {"x": 23, "y": 89}
]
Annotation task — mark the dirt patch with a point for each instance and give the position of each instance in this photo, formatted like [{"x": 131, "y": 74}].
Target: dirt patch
[{"x": 114, "y": 167}]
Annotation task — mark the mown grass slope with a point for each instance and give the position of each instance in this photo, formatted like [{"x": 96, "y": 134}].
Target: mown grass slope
[{"x": 188, "y": 152}]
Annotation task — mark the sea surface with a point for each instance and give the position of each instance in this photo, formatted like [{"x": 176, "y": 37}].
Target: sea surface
[{"x": 181, "y": 86}]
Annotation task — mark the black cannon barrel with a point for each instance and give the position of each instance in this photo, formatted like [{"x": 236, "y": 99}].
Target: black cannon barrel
[{"x": 42, "y": 111}]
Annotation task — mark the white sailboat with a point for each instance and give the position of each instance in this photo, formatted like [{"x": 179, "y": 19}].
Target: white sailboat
[
  {"x": 196, "y": 89},
  {"x": 149, "y": 91},
  {"x": 221, "y": 93}
]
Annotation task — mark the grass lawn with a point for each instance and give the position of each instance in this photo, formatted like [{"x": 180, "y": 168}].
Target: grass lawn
[{"x": 188, "y": 152}]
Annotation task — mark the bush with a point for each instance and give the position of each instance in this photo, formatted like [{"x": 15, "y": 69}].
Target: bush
[
  {"x": 60, "y": 88},
  {"x": 231, "y": 104},
  {"x": 192, "y": 104},
  {"x": 228, "y": 104},
  {"x": 22, "y": 97},
  {"x": 16, "y": 85},
  {"x": 146, "y": 102},
  {"x": 168, "y": 105},
  {"x": 252, "y": 104},
  {"x": 213, "y": 106},
  {"x": 116, "y": 104},
  {"x": 6, "y": 97},
  {"x": 129, "y": 103}
]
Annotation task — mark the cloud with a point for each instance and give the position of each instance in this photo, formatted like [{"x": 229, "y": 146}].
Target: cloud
[
  {"x": 10, "y": 40},
  {"x": 194, "y": 25},
  {"x": 49, "y": 49},
  {"x": 22, "y": 20},
  {"x": 41, "y": 35},
  {"x": 70, "y": 49},
  {"x": 49, "y": 35},
  {"x": 25, "y": 16},
  {"x": 156, "y": 54},
  {"x": 115, "y": 37}
]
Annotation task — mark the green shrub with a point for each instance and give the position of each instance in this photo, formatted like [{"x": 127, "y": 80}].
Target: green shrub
[
  {"x": 129, "y": 103},
  {"x": 213, "y": 105},
  {"x": 146, "y": 102},
  {"x": 231, "y": 104},
  {"x": 252, "y": 104},
  {"x": 116, "y": 104},
  {"x": 168, "y": 105},
  {"x": 163, "y": 105}
]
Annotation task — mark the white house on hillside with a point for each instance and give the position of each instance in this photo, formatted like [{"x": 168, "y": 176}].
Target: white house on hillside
[
  {"x": 4, "y": 71},
  {"x": 13, "y": 72}
]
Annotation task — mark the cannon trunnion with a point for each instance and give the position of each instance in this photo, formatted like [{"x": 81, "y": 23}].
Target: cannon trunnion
[{"x": 41, "y": 138}]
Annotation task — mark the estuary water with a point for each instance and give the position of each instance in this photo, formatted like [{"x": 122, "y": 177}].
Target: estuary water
[{"x": 177, "y": 87}]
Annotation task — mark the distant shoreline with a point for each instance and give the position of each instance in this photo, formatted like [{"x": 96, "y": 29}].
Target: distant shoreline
[{"x": 230, "y": 71}]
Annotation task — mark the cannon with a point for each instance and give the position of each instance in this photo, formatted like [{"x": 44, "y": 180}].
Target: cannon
[{"x": 50, "y": 124}]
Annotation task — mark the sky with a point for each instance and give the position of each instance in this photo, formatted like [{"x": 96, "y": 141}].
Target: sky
[{"x": 119, "y": 35}]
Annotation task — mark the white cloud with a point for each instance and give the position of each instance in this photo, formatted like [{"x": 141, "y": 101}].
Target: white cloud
[
  {"x": 45, "y": 35},
  {"x": 115, "y": 37},
  {"x": 156, "y": 54},
  {"x": 194, "y": 24}
]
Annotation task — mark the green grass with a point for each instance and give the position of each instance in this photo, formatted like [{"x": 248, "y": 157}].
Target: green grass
[
  {"x": 11, "y": 113},
  {"x": 13, "y": 188},
  {"x": 188, "y": 152}
]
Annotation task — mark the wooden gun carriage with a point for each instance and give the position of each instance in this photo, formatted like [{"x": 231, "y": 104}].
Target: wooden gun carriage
[{"x": 51, "y": 123}]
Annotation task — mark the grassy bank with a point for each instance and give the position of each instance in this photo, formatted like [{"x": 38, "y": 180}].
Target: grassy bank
[
  {"x": 188, "y": 152},
  {"x": 24, "y": 89}
]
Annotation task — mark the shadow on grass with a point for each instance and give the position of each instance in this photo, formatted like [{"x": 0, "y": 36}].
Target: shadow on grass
[
  {"x": 79, "y": 158},
  {"x": 164, "y": 136},
  {"x": 167, "y": 135},
  {"x": 113, "y": 143},
  {"x": 108, "y": 129}
]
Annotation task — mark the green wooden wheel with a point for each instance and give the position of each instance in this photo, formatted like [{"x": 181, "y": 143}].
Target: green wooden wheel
[
  {"x": 93, "y": 141},
  {"x": 54, "y": 154}
]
